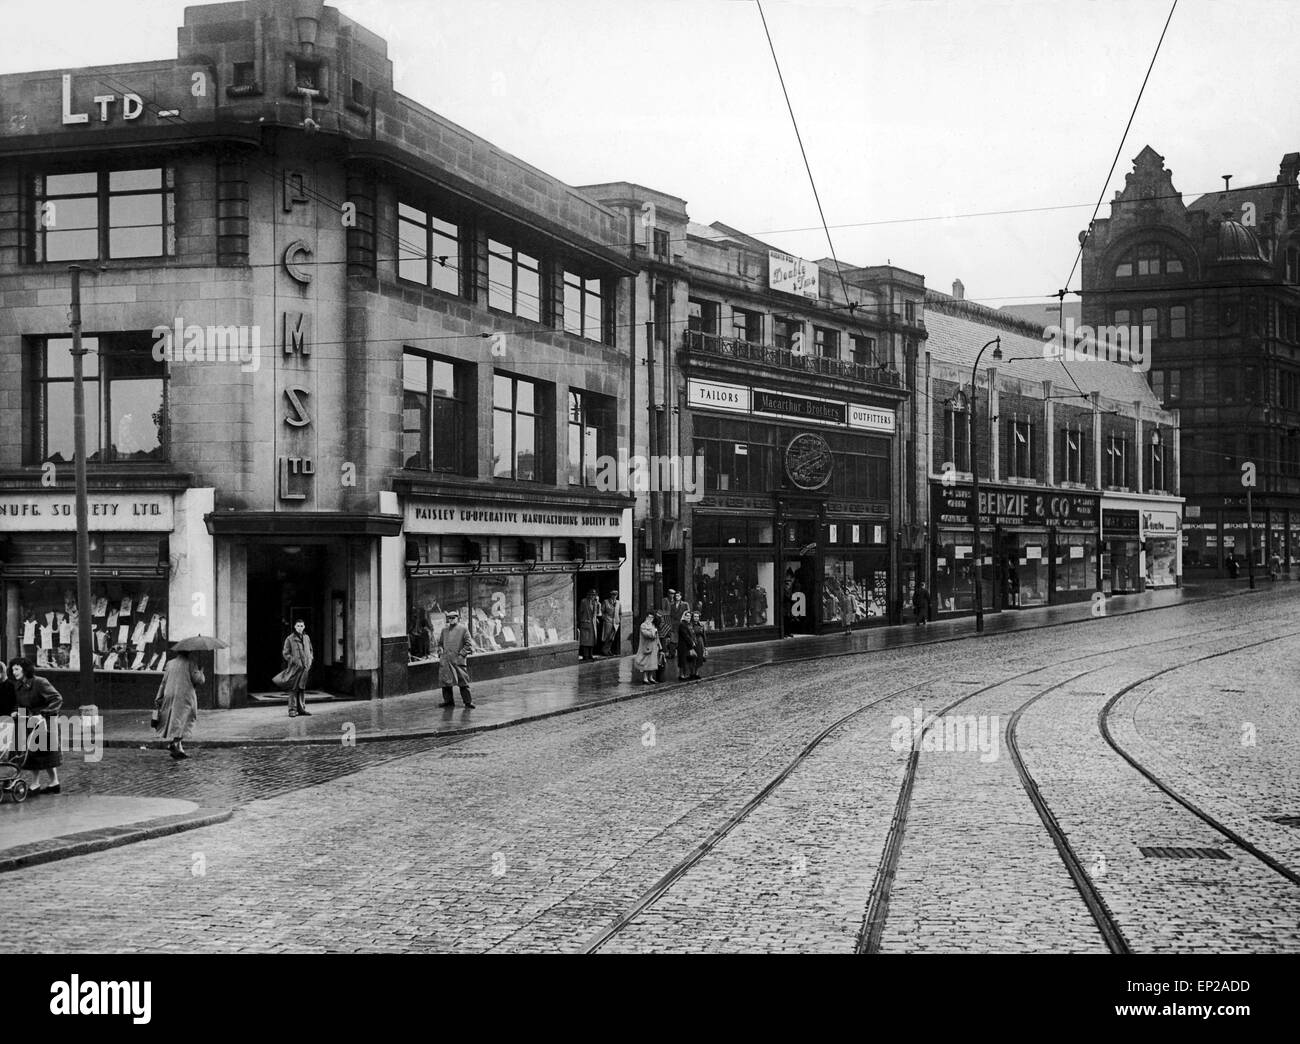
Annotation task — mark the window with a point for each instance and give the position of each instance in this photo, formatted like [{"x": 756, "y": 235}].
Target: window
[
  {"x": 737, "y": 455},
  {"x": 433, "y": 413},
  {"x": 1148, "y": 259},
  {"x": 428, "y": 249},
  {"x": 1151, "y": 320},
  {"x": 787, "y": 334},
  {"x": 514, "y": 281},
  {"x": 661, "y": 243},
  {"x": 245, "y": 74},
  {"x": 1228, "y": 384},
  {"x": 827, "y": 342},
  {"x": 1156, "y": 466},
  {"x": 703, "y": 316},
  {"x": 1158, "y": 384},
  {"x": 864, "y": 349},
  {"x": 96, "y": 215},
  {"x": 956, "y": 438},
  {"x": 860, "y": 466},
  {"x": 1178, "y": 321},
  {"x": 1117, "y": 457},
  {"x": 583, "y": 308},
  {"x": 126, "y": 400},
  {"x": 306, "y": 75},
  {"x": 514, "y": 428},
  {"x": 1069, "y": 461},
  {"x": 1293, "y": 265},
  {"x": 591, "y": 434},
  {"x": 909, "y": 311},
  {"x": 1123, "y": 317},
  {"x": 747, "y": 326},
  {"x": 1019, "y": 461}
]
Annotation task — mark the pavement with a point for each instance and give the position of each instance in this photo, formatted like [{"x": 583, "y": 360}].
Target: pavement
[{"x": 58, "y": 826}]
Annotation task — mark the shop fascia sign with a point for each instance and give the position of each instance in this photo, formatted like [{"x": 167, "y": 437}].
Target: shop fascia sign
[
  {"x": 107, "y": 513},
  {"x": 128, "y": 105},
  {"x": 1016, "y": 507},
  {"x": 791, "y": 275},
  {"x": 1155, "y": 523},
  {"x": 762, "y": 402},
  {"x": 456, "y": 518}
]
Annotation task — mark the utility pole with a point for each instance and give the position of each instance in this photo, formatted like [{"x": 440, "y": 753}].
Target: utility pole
[
  {"x": 996, "y": 344},
  {"x": 656, "y": 504},
  {"x": 85, "y": 650}
]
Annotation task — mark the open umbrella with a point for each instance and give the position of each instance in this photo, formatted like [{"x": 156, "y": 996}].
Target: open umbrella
[{"x": 199, "y": 643}]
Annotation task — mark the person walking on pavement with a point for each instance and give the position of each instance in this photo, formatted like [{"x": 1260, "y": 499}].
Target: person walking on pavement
[
  {"x": 646, "y": 659},
  {"x": 298, "y": 657},
  {"x": 921, "y": 604},
  {"x": 34, "y": 694},
  {"x": 453, "y": 660},
  {"x": 850, "y": 608},
  {"x": 667, "y": 632},
  {"x": 699, "y": 649},
  {"x": 588, "y": 615},
  {"x": 686, "y": 654},
  {"x": 176, "y": 705},
  {"x": 611, "y": 615}
]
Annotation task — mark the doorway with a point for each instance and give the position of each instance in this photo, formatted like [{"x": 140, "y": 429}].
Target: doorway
[{"x": 285, "y": 582}]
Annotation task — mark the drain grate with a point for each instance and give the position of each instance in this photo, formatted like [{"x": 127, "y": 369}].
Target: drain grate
[
  {"x": 1291, "y": 821},
  {"x": 463, "y": 754},
  {"x": 1175, "y": 852}
]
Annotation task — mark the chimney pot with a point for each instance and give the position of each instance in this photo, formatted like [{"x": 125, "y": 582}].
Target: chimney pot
[{"x": 958, "y": 290}]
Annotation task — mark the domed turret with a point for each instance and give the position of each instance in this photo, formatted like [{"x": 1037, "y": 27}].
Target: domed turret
[{"x": 1238, "y": 243}]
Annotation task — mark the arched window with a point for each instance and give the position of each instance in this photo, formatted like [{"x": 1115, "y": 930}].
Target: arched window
[{"x": 1148, "y": 259}]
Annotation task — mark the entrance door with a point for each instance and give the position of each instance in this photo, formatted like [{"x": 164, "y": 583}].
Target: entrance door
[
  {"x": 284, "y": 583},
  {"x": 802, "y": 595}
]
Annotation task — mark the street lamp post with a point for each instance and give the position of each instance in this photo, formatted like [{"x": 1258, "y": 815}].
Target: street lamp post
[
  {"x": 975, "y": 482},
  {"x": 85, "y": 653}
]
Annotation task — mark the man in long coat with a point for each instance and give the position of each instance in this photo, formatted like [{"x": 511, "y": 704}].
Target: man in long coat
[
  {"x": 298, "y": 657},
  {"x": 588, "y": 612},
  {"x": 453, "y": 660}
]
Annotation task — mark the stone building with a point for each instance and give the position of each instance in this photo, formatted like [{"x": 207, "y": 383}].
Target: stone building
[{"x": 349, "y": 362}]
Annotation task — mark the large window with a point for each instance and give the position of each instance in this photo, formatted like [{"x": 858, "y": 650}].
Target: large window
[
  {"x": 591, "y": 434},
  {"x": 1069, "y": 462},
  {"x": 826, "y": 342},
  {"x": 128, "y": 618},
  {"x": 583, "y": 308},
  {"x": 97, "y": 215},
  {"x": 737, "y": 454},
  {"x": 501, "y": 612},
  {"x": 1148, "y": 259},
  {"x": 956, "y": 439},
  {"x": 428, "y": 249},
  {"x": 434, "y": 413},
  {"x": 1156, "y": 467},
  {"x": 787, "y": 334},
  {"x": 702, "y": 316},
  {"x": 864, "y": 349},
  {"x": 514, "y": 428},
  {"x": 860, "y": 466},
  {"x": 126, "y": 400},
  {"x": 747, "y": 326},
  {"x": 1117, "y": 458},
  {"x": 514, "y": 281},
  {"x": 1020, "y": 461},
  {"x": 1177, "y": 320}
]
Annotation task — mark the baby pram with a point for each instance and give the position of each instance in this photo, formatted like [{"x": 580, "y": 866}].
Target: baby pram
[{"x": 12, "y": 762}]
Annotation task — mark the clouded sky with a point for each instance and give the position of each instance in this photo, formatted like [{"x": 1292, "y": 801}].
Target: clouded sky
[{"x": 912, "y": 111}]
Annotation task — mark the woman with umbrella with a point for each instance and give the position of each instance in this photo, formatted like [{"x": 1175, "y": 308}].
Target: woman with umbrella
[{"x": 176, "y": 706}]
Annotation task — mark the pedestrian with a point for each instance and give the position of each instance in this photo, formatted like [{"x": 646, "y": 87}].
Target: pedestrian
[
  {"x": 921, "y": 604},
  {"x": 298, "y": 658},
  {"x": 699, "y": 646},
  {"x": 611, "y": 616},
  {"x": 1233, "y": 568},
  {"x": 686, "y": 653},
  {"x": 678, "y": 608},
  {"x": 666, "y": 630},
  {"x": 646, "y": 659},
  {"x": 850, "y": 608},
  {"x": 453, "y": 660},
  {"x": 34, "y": 694},
  {"x": 1275, "y": 566},
  {"x": 588, "y": 613},
  {"x": 176, "y": 705}
]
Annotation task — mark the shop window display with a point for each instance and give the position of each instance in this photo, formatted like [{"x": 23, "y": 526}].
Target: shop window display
[
  {"x": 1076, "y": 562},
  {"x": 501, "y": 612},
  {"x": 733, "y": 591},
  {"x": 128, "y": 625},
  {"x": 1162, "y": 562}
]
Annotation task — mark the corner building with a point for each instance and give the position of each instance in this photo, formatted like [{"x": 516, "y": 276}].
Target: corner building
[{"x": 349, "y": 362}]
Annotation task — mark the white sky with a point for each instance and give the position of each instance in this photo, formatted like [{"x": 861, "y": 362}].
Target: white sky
[{"x": 908, "y": 108}]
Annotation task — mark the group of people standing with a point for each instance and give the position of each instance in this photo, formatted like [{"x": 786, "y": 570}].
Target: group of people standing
[
  {"x": 675, "y": 632},
  {"x": 598, "y": 625}
]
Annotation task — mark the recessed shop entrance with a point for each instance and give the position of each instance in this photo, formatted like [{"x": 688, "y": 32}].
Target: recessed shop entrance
[{"x": 285, "y": 581}]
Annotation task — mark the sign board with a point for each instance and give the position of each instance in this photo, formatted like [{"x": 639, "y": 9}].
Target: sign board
[
  {"x": 871, "y": 418},
  {"x": 107, "y": 513},
  {"x": 781, "y": 404},
  {"x": 717, "y": 396},
  {"x": 468, "y": 519},
  {"x": 1159, "y": 523},
  {"x": 792, "y": 275},
  {"x": 951, "y": 505}
]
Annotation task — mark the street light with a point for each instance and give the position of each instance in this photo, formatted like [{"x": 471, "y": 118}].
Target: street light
[
  {"x": 85, "y": 653},
  {"x": 975, "y": 481}
]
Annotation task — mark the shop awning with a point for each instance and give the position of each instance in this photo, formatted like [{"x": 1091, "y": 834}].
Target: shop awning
[{"x": 302, "y": 523}]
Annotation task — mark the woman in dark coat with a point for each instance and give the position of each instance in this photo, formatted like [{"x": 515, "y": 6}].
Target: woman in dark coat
[
  {"x": 691, "y": 646},
  {"x": 36, "y": 695},
  {"x": 667, "y": 629},
  {"x": 176, "y": 706}
]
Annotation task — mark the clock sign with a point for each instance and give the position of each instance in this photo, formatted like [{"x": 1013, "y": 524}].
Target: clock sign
[{"x": 808, "y": 461}]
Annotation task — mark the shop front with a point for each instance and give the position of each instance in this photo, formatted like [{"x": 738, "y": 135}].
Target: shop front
[
  {"x": 1162, "y": 541},
  {"x": 515, "y": 574},
  {"x": 1037, "y": 547},
  {"x": 1121, "y": 563},
  {"x": 148, "y": 560}
]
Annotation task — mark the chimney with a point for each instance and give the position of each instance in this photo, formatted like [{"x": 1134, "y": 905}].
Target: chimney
[{"x": 958, "y": 290}]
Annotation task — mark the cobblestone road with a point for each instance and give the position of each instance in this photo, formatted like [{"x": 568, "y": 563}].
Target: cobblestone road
[{"x": 538, "y": 836}]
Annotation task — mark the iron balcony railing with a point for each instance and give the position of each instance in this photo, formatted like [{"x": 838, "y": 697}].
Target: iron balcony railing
[{"x": 783, "y": 358}]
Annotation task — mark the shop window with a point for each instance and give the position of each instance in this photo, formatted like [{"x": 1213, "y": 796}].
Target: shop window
[
  {"x": 434, "y": 413},
  {"x": 1019, "y": 444},
  {"x": 826, "y": 342},
  {"x": 702, "y": 316},
  {"x": 126, "y": 400},
  {"x": 1177, "y": 320},
  {"x": 1075, "y": 562},
  {"x": 428, "y": 249},
  {"x": 592, "y": 426},
  {"x": 583, "y": 307},
  {"x": 956, "y": 438},
  {"x": 746, "y": 325},
  {"x": 734, "y": 590},
  {"x": 514, "y": 281},
  {"x": 515, "y": 409},
  {"x": 1069, "y": 466},
  {"x": 128, "y": 621},
  {"x": 501, "y": 612},
  {"x": 105, "y": 214},
  {"x": 1117, "y": 461}
]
